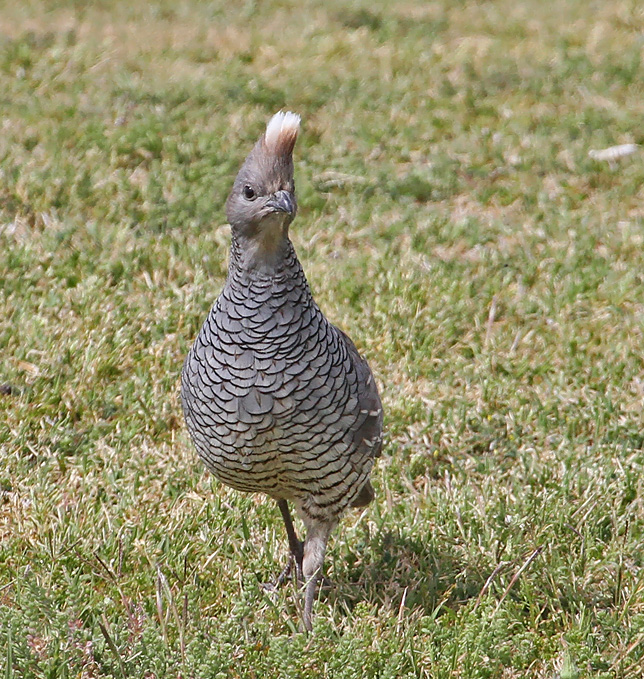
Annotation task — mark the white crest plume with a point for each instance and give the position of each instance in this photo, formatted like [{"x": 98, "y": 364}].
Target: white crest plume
[{"x": 281, "y": 132}]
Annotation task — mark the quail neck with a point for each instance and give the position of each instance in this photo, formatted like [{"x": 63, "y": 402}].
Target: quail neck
[{"x": 264, "y": 253}]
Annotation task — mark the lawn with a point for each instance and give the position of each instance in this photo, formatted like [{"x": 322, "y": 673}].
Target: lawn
[{"x": 452, "y": 220}]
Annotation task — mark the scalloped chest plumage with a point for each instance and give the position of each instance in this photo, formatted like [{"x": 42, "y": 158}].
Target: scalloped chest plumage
[{"x": 277, "y": 399}]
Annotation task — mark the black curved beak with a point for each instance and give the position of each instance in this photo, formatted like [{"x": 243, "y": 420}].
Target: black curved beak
[{"x": 283, "y": 201}]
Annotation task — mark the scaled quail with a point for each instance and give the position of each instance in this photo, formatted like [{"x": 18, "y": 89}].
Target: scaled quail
[{"x": 277, "y": 400}]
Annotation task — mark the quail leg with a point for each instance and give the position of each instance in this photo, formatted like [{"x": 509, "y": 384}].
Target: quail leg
[
  {"x": 309, "y": 598},
  {"x": 295, "y": 545},
  {"x": 314, "y": 551}
]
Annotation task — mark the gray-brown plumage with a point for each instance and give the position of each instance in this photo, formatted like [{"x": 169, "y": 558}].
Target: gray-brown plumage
[{"x": 277, "y": 400}]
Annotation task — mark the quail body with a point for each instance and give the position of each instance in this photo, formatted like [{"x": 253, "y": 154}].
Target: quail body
[{"x": 276, "y": 399}]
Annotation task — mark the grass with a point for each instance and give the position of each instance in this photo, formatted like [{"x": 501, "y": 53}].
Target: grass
[{"x": 451, "y": 221}]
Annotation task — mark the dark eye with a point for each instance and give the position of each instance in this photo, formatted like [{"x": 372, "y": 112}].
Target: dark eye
[{"x": 249, "y": 192}]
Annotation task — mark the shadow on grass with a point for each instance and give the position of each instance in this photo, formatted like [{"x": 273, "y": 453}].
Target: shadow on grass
[{"x": 386, "y": 566}]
